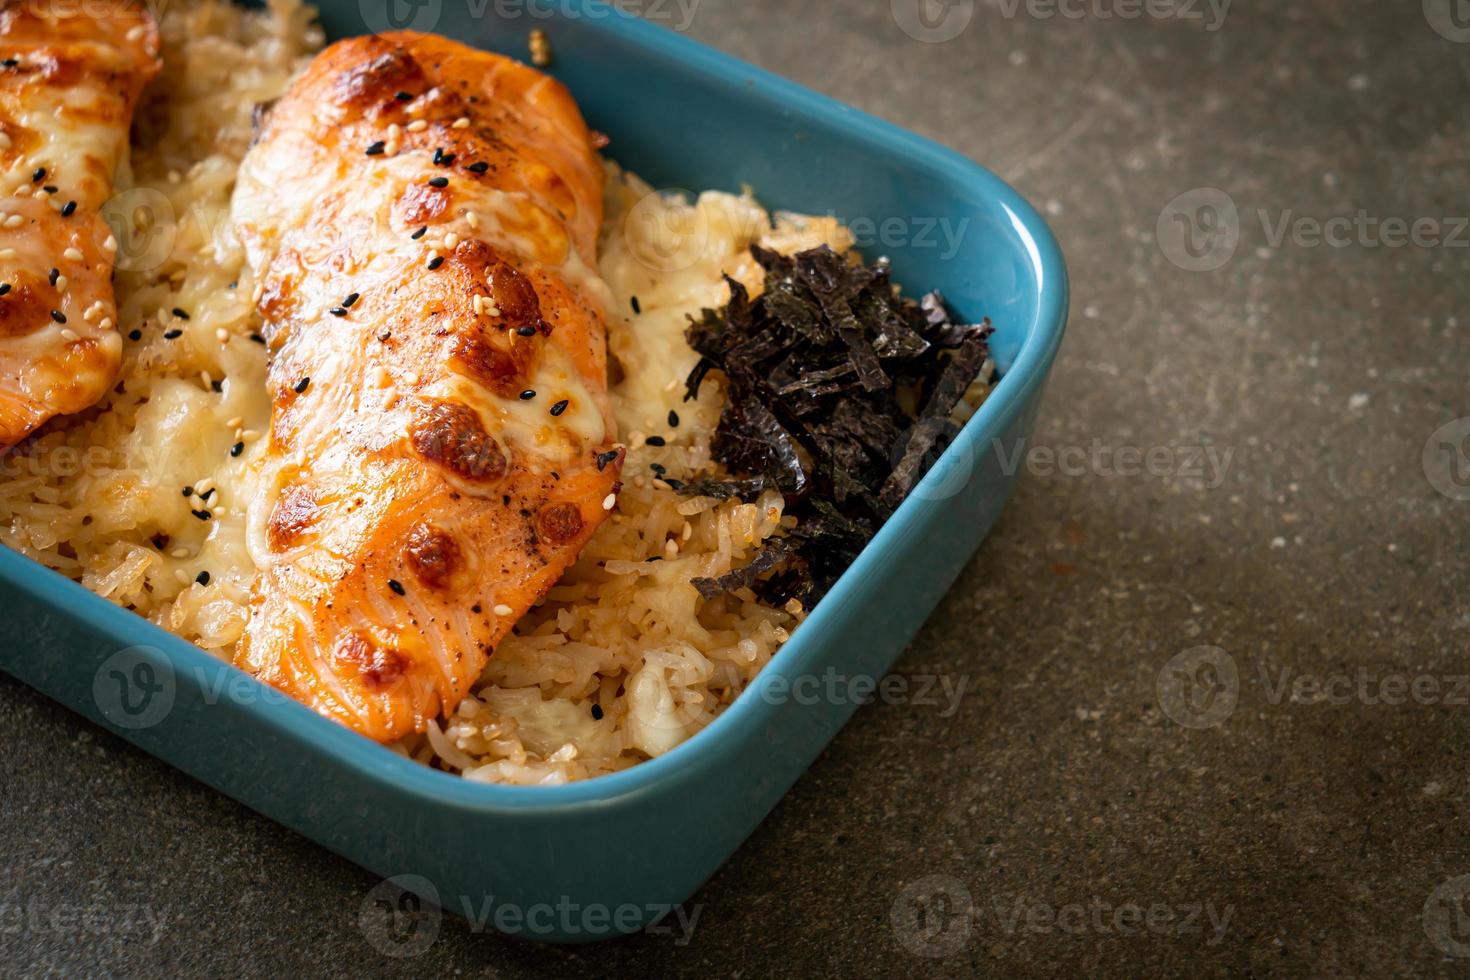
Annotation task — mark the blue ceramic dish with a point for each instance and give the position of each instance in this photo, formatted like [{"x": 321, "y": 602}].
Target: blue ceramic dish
[{"x": 681, "y": 115}]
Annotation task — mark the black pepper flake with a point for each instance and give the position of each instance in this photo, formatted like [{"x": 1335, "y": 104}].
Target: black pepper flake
[
  {"x": 404, "y": 96},
  {"x": 58, "y": 316},
  {"x": 302, "y": 385},
  {"x": 374, "y": 149},
  {"x": 172, "y": 334},
  {"x": 673, "y": 419},
  {"x": 53, "y": 275},
  {"x": 68, "y": 209},
  {"x": 181, "y": 314},
  {"x": 656, "y": 441},
  {"x": 135, "y": 335},
  {"x": 436, "y": 262},
  {"x": 351, "y": 298},
  {"x": 637, "y": 306},
  {"x": 237, "y": 449},
  {"x": 420, "y": 233},
  {"x": 478, "y": 167},
  {"x": 439, "y": 182},
  {"x": 597, "y": 712},
  {"x": 257, "y": 338},
  {"x": 605, "y": 458},
  {"x": 203, "y": 515},
  {"x": 338, "y": 311},
  {"x": 526, "y": 331},
  {"x": 203, "y": 578},
  {"x": 528, "y": 394},
  {"x": 4, "y": 288},
  {"x": 559, "y": 408},
  {"x": 39, "y": 175},
  {"x": 397, "y": 587}
]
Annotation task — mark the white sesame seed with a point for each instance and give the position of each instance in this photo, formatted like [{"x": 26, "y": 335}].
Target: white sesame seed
[
  {"x": 204, "y": 486},
  {"x": 395, "y": 131},
  {"x": 463, "y": 122},
  {"x": 451, "y": 240},
  {"x": 671, "y": 548},
  {"x": 661, "y": 485},
  {"x": 687, "y": 533},
  {"x": 491, "y": 308},
  {"x": 24, "y": 190},
  {"x": 479, "y": 304},
  {"x": 610, "y": 501},
  {"x": 75, "y": 254},
  {"x": 472, "y": 219},
  {"x": 61, "y": 282},
  {"x": 7, "y": 253},
  {"x": 110, "y": 244},
  {"x": 417, "y": 126},
  {"x": 258, "y": 293},
  {"x": 136, "y": 33},
  {"x": 106, "y": 323},
  {"x": 12, "y": 221},
  {"x": 182, "y": 576},
  {"x": 180, "y": 552},
  {"x": 208, "y": 381},
  {"x": 222, "y": 335},
  {"x": 90, "y": 313},
  {"x": 503, "y": 610},
  {"x": 235, "y": 423},
  {"x": 69, "y": 335},
  {"x": 250, "y": 435}
]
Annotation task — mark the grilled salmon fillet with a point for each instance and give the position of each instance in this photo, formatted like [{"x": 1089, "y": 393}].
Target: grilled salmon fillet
[
  {"x": 422, "y": 221},
  {"x": 70, "y": 75}
]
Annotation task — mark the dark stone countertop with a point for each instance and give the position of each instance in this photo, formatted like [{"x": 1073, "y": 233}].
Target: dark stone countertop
[{"x": 1074, "y": 824}]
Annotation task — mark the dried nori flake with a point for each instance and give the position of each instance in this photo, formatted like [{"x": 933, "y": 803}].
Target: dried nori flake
[{"x": 817, "y": 371}]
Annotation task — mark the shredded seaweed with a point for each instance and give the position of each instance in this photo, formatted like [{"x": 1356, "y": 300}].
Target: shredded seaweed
[{"x": 840, "y": 392}]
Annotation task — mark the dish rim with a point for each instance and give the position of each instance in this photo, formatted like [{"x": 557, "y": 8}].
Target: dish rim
[{"x": 298, "y": 723}]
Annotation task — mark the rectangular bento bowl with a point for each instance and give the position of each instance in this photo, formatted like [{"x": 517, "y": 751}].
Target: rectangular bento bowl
[{"x": 681, "y": 115}]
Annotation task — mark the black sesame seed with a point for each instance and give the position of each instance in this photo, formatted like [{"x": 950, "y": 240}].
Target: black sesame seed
[
  {"x": 237, "y": 449},
  {"x": 351, "y": 298},
  {"x": 637, "y": 306},
  {"x": 181, "y": 314},
  {"x": 605, "y": 458},
  {"x": 53, "y": 275},
  {"x": 528, "y": 394},
  {"x": 203, "y": 515},
  {"x": 172, "y": 334},
  {"x": 559, "y": 407},
  {"x": 397, "y": 587},
  {"x": 203, "y": 578},
  {"x": 442, "y": 159},
  {"x": 217, "y": 386},
  {"x": 50, "y": 188},
  {"x": 526, "y": 331},
  {"x": 188, "y": 491},
  {"x": 375, "y": 148},
  {"x": 477, "y": 609},
  {"x": 257, "y": 338},
  {"x": 404, "y": 96},
  {"x": 436, "y": 262},
  {"x": 58, "y": 316},
  {"x": 68, "y": 209},
  {"x": 207, "y": 494},
  {"x": 10, "y": 62},
  {"x": 4, "y": 288},
  {"x": 478, "y": 168},
  {"x": 658, "y": 468},
  {"x": 597, "y": 712},
  {"x": 39, "y": 175},
  {"x": 302, "y": 385},
  {"x": 420, "y": 233},
  {"x": 439, "y": 182},
  {"x": 338, "y": 311},
  {"x": 650, "y": 561},
  {"x": 656, "y": 441},
  {"x": 135, "y": 335},
  {"x": 673, "y": 419}
]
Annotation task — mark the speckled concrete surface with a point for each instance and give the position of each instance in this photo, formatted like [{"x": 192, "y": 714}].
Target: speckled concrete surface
[{"x": 1087, "y": 809}]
